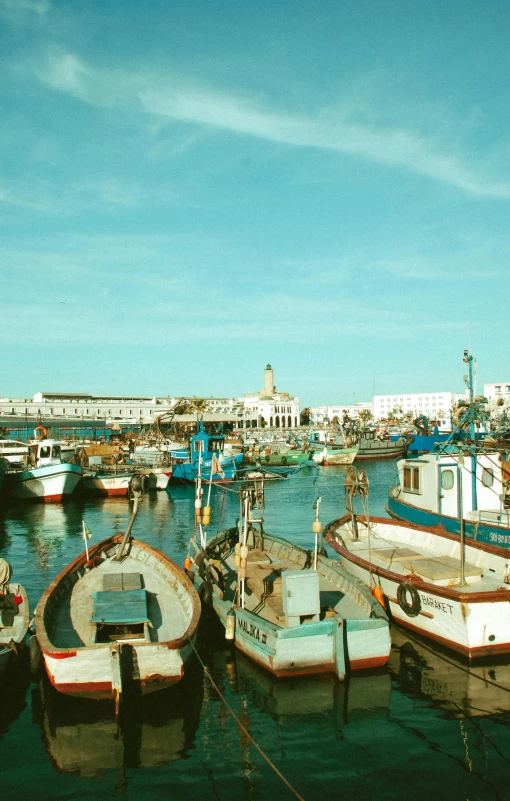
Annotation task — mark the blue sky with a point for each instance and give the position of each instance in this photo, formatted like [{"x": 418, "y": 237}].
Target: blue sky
[{"x": 189, "y": 190}]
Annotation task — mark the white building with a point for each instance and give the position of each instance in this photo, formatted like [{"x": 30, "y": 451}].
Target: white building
[
  {"x": 431, "y": 404},
  {"x": 269, "y": 407},
  {"x": 325, "y": 414},
  {"x": 498, "y": 395}
]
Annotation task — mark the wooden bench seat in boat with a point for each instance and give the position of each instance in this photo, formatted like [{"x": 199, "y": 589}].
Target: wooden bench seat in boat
[
  {"x": 442, "y": 569},
  {"x": 395, "y": 554}
]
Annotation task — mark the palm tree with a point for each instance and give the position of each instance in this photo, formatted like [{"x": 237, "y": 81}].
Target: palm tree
[{"x": 304, "y": 417}]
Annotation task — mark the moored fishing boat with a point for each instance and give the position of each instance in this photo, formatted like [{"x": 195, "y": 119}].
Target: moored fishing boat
[
  {"x": 292, "y": 611},
  {"x": 14, "y": 451},
  {"x": 120, "y": 614},
  {"x": 206, "y": 457},
  {"x": 105, "y": 482},
  {"x": 47, "y": 478},
  {"x": 372, "y": 445},
  {"x": 453, "y": 591},
  {"x": 14, "y": 617},
  {"x": 464, "y": 482}
]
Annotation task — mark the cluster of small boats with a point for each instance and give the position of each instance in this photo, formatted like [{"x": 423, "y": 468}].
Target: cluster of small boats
[{"x": 123, "y": 617}]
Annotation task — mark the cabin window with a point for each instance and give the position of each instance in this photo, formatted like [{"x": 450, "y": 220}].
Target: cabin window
[
  {"x": 412, "y": 479},
  {"x": 56, "y": 451},
  {"x": 199, "y": 445},
  {"x": 44, "y": 453},
  {"x": 487, "y": 477},
  {"x": 447, "y": 479}
]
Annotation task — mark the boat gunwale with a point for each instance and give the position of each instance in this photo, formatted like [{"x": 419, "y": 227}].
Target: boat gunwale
[
  {"x": 486, "y": 596},
  {"x": 49, "y": 649}
]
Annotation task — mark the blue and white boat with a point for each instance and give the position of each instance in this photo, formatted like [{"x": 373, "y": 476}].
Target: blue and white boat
[
  {"x": 46, "y": 477},
  {"x": 206, "y": 456},
  {"x": 464, "y": 482}
]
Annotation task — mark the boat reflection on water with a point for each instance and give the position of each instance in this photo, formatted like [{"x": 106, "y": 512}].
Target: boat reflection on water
[
  {"x": 358, "y": 698},
  {"x": 461, "y": 690},
  {"x": 83, "y": 737},
  {"x": 13, "y": 691}
]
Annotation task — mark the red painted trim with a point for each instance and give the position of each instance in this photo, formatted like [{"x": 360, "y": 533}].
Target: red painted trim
[
  {"x": 100, "y": 491},
  {"x": 367, "y": 664},
  {"x": 52, "y": 498},
  {"x": 59, "y": 654}
]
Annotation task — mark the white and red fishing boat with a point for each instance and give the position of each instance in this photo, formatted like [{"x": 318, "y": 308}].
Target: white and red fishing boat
[
  {"x": 120, "y": 615},
  {"x": 106, "y": 482},
  {"x": 291, "y": 611},
  {"x": 451, "y": 590},
  {"x": 46, "y": 478}
]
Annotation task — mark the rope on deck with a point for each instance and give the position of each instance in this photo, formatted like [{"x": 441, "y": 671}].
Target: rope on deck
[{"x": 244, "y": 729}]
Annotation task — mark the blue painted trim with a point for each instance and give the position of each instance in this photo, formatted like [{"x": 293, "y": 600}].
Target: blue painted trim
[{"x": 483, "y": 532}]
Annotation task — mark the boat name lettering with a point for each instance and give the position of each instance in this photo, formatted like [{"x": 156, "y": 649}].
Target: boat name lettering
[
  {"x": 252, "y": 630},
  {"x": 444, "y": 607},
  {"x": 502, "y": 539}
]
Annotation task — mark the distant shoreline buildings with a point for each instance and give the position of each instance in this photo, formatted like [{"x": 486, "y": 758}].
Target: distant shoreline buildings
[{"x": 265, "y": 408}]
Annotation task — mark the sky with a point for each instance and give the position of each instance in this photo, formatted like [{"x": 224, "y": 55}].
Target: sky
[{"x": 190, "y": 190}]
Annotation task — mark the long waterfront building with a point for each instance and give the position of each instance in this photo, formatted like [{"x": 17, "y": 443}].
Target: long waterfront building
[{"x": 265, "y": 408}]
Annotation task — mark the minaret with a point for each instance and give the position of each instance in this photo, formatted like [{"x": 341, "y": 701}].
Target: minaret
[{"x": 268, "y": 380}]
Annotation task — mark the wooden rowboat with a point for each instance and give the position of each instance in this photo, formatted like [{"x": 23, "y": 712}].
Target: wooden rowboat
[{"x": 126, "y": 616}]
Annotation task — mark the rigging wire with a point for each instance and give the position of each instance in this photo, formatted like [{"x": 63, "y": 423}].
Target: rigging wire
[{"x": 243, "y": 727}]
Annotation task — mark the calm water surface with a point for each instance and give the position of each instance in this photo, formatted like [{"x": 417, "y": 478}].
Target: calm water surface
[{"x": 426, "y": 727}]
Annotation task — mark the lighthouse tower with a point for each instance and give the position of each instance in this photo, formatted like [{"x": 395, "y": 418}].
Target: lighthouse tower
[{"x": 268, "y": 381}]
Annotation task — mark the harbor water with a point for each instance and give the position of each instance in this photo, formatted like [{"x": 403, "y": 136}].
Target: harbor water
[{"x": 427, "y": 726}]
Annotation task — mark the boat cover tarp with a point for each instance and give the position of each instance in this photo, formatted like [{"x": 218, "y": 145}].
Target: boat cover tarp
[{"x": 125, "y": 606}]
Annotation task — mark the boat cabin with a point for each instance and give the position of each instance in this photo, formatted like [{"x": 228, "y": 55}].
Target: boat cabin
[
  {"x": 208, "y": 445},
  {"x": 438, "y": 481},
  {"x": 44, "y": 452}
]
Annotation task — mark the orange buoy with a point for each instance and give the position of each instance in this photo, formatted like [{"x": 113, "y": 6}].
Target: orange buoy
[
  {"x": 187, "y": 563},
  {"x": 378, "y": 594}
]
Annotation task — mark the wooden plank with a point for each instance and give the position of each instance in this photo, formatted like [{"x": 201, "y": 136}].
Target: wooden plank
[{"x": 441, "y": 568}]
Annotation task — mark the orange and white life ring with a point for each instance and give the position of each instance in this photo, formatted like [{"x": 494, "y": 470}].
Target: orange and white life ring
[{"x": 40, "y": 432}]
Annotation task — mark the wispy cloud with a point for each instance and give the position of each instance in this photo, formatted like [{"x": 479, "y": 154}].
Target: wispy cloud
[
  {"x": 172, "y": 97},
  {"x": 17, "y": 10}
]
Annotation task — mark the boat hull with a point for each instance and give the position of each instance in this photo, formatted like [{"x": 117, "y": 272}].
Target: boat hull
[
  {"x": 380, "y": 450},
  {"x": 342, "y": 456},
  {"x": 107, "y": 484},
  {"x": 303, "y": 651},
  {"x": 49, "y": 483}
]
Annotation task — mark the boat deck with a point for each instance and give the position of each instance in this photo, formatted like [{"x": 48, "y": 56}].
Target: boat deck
[
  {"x": 263, "y": 593},
  {"x": 168, "y": 615},
  {"x": 436, "y": 560}
]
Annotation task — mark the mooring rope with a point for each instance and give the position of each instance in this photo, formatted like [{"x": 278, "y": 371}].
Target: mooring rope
[{"x": 244, "y": 729}]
